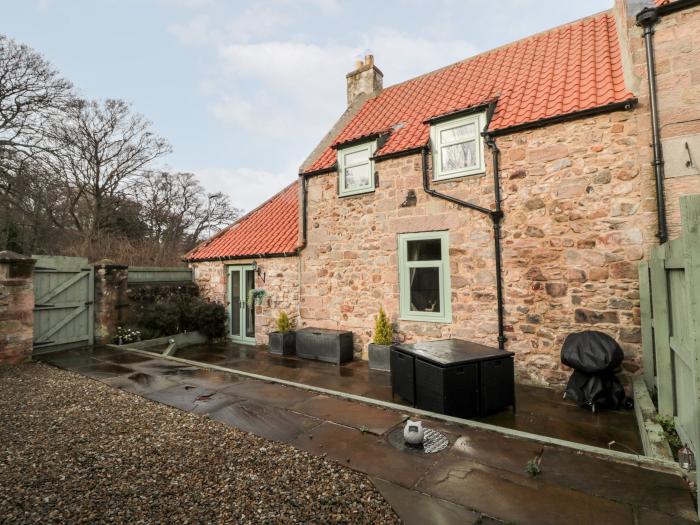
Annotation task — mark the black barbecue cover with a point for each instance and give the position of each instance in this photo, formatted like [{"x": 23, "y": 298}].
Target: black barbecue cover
[
  {"x": 591, "y": 352},
  {"x": 594, "y": 356}
]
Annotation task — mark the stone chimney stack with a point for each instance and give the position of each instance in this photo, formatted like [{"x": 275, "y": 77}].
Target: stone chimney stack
[{"x": 365, "y": 79}]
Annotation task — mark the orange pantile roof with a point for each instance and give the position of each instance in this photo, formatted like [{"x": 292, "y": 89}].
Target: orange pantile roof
[
  {"x": 566, "y": 70},
  {"x": 270, "y": 229}
]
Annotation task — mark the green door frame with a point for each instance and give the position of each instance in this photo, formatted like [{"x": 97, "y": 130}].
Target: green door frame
[{"x": 244, "y": 309}]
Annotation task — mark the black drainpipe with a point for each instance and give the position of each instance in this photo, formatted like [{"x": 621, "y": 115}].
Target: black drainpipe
[
  {"x": 647, "y": 18},
  {"x": 496, "y": 216},
  {"x": 304, "y": 200}
]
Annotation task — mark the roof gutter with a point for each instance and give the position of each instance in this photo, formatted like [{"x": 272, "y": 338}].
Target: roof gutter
[
  {"x": 647, "y": 19},
  {"x": 677, "y": 5},
  {"x": 615, "y": 106}
]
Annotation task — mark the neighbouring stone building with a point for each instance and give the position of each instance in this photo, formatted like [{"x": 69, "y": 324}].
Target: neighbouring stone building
[{"x": 395, "y": 207}]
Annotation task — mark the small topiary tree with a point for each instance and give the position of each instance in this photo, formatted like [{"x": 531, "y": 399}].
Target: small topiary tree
[
  {"x": 284, "y": 325},
  {"x": 383, "y": 334}
]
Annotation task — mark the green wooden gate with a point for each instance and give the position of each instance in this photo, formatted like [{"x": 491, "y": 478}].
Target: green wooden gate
[
  {"x": 670, "y": 310},
  {"x": 63, "y": 297}
]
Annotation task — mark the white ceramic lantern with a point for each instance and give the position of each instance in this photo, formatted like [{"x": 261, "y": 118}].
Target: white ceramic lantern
[{"x": 413, "y": 432}]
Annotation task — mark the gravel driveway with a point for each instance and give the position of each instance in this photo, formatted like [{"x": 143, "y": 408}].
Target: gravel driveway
[{"x": 75, "y": 450}]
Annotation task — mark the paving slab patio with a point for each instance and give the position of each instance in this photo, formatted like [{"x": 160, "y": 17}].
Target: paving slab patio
[
  {"x": 479, "y": 478},
  {"x": 540, "y": 410}
]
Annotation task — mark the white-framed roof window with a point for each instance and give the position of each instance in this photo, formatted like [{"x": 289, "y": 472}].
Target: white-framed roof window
[
  {"x": 458, "y": 147},
  {"x": 356, "y": 169}
]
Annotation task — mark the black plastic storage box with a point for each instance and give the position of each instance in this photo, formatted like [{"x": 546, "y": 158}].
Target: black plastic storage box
[
  {"x": 332, "y": 346},
  {"x": 451, "y": 390},
  {"x": 454, "y": 377},
  {"x": 402, "y": 375}
]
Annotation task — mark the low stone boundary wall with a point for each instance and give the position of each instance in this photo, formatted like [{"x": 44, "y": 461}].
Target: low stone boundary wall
[{"x": 16, "y": 307}]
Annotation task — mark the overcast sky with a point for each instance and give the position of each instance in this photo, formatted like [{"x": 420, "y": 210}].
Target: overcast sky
[{"x": 245, "y": 90}]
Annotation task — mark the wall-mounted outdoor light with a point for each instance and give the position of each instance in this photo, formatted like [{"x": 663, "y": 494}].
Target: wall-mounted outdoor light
[{"x": 259, "y": 271}]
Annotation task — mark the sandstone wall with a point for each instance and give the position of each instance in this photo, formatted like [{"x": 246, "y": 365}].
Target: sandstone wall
[
  {"x": 578, "y": 218},
  {"x": 281, "y": 284},
  {"x": 677, "y": 50},
  {"x": 16, "y": 307}
]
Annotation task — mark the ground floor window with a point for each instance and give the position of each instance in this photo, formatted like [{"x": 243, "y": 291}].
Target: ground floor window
[{"x": 424, "y": 277}]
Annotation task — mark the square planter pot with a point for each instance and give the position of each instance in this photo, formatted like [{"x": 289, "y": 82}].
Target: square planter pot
[
  {"x": 282, "y": 343},
  {"x": 379, "y": 357}
]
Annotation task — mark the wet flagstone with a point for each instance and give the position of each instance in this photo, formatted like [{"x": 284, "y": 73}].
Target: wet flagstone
[
  {"x": 270, "y": 393},
  {"x": 141, "y": 383},
  {"x": 102, "y": 370},
  {"x": 416, "y": 508},
  {"x": 365, "y": 452},
  {"x": 124, "y": 358},
  {"x": 191, "y": 398},
  {"x": 352, "y": 414},
  {"x": 263, "y": 420},
  {"x": 518, "y": 498},
  {"x": 626, "y": 483}
]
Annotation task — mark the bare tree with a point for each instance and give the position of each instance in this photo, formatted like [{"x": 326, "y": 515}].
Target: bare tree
[
  {"x": 177, "y": 210},
  {"x": 99, "y": 150},
  {"x": 31, "y": 91}
]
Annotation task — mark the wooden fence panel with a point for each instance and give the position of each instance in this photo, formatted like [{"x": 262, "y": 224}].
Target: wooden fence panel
[
  {"x": 647, "y": 315},
  {"x": 659, "y": 298},
  {"x": 670, "y": 312},
  {"x": 159, "y": 274}
]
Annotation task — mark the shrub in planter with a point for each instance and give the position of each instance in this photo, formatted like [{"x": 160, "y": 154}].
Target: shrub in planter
[
  {"x": 282, "y": 341},
  {"x": 211, "y": 320},
  {"x": 378, "y": 350},
  {"x": 160, "y": 319}
]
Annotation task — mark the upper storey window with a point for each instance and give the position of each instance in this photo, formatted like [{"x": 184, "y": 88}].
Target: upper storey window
[
  {"x": 458, "y": 148},
  {"x": 356, "y": 169}
]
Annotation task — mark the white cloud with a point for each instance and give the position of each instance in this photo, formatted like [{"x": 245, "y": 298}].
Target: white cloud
[
  {"x": 292, "y": 89},
  {"x": 189, "y": 4},
  {"x": 197, "y": 31},
  {"x": 247, "y": 187}
]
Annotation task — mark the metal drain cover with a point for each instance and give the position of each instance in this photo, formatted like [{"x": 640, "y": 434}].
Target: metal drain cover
[{"x": 433, "y": 441}]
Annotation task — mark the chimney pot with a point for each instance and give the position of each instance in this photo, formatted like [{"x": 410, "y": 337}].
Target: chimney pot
[{"x": 365, "y": 79}]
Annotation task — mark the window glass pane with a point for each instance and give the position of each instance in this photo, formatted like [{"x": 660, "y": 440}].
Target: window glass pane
[
  {"x": 357, "y": 157},
  {"x": 424, "y": 250},
  {"x": 458, "y": 156},
  {"x": 425, "y": 289},
  {"x": 250, "y": 311},
  {"x": 457, "y": 133},
  {"x": 236, "y": 303},
  {"x": 358, "y": 177}
]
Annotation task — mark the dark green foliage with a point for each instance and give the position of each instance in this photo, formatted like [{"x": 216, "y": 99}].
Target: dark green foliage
[
  {"x": 161, "y": 319},
  {"x": 188, "y": 307},
  {"x": 669, "y": 430},
  {"x": 211, "y": 319}
]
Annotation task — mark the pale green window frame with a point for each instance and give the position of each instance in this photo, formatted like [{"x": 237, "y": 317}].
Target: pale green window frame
[
  {"x": 443, "y": 265},
  {"x": 343, "y": 166},
  {"x": 478, "y": 121}
]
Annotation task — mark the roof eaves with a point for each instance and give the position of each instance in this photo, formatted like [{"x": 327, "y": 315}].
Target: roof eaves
[
  {"x": 245, "y": 256},
  {"x": 237, "y": 222},
  {"x": 607, "y": 108}
]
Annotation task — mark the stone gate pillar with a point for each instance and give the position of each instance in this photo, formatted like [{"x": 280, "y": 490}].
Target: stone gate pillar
[
  {"x": 16, "y": 307},
  {"x": 110, "y": 295}
]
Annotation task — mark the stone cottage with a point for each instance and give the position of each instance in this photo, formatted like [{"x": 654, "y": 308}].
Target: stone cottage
[{"x": 505, "y": 199}]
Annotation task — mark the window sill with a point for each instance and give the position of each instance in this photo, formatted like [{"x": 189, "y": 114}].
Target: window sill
[
  {"x": 422, "y": 319},
  {"x": 356, "y": 193},
  {"x": 460, "y": 175}
]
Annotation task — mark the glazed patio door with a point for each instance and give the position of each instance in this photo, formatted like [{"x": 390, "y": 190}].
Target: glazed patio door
[{"x": 242, "y": 315}]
